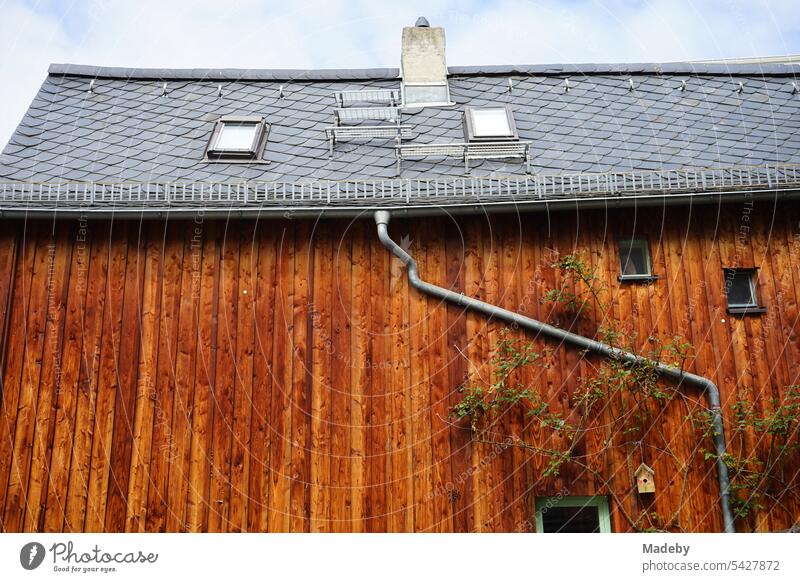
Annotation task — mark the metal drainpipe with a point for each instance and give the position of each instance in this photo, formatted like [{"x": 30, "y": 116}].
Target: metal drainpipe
[{"x": 382, "y": 220}]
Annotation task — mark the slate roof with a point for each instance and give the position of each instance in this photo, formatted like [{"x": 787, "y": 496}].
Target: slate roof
[{"x": 126, "y": 130}]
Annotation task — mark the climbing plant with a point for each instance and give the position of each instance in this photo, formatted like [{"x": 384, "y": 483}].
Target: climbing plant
[{"x": 620, "y": 404}]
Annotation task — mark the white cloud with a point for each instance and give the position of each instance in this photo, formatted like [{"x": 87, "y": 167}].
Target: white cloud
[{"x": 363, "y": 33}]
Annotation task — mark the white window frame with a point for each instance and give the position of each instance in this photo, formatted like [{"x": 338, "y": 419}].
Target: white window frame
[
  {"x": 214, "y": 153},
  {"x": 544, "y": 504},
  {"x": 469, "y": 125}
]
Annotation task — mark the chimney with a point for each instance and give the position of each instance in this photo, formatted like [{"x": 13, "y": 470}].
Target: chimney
[{"x": 423, "y": 65}]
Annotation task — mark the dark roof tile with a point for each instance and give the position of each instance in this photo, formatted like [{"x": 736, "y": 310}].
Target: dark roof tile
[{"x": 127, "y": 130}]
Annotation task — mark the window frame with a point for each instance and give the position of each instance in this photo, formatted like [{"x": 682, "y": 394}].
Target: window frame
[
  {"x": 254, "y": 153},
  {"x": 743, "y": 308},
  {"x": 629, "y": 243},
  {"x": 469, "y": 126},
  {"x": 598, "y": 501}
]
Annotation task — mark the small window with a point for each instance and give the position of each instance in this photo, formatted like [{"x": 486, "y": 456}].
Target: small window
[
  {"x": 572, "y": 515},
  {"x": 237, "y": 138},
  {"x": 634, "y": 259},
  {"x": 740, "y": 286},
  {"x": 489, "y": 124}
]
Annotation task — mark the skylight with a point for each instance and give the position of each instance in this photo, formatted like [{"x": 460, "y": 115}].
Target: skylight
[
  {"x": 237, "y": 137},
  {"x": 489, "y": 123}
]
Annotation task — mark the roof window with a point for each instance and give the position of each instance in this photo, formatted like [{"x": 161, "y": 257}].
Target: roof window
[
  {"x": 490, "y": 124},
  {"x": 237, "y": 138}
]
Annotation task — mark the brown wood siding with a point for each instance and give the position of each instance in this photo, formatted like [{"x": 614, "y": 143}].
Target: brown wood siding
[{"x": 282, "y": 376}]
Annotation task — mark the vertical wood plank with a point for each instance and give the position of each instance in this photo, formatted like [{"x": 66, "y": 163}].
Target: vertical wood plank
[
  {"x": 377, "y": 437},
  {"x": 162, "y": 452},
  {"x": 200, "y": 459},
  {"x": 183, "y": 404},
  {"x": 421, "y": 390},
  {"x": 90, "y": 359},
  {"x": 243, "y": 388},
  {"x": 13, "y": 350},
  {"x": 281, "y": 405},
  {"x": 42, "y": 329},
  {"x": 460, "y": 492},
  {"x": 322, "y": 386},
  {"x": 12, "y": 354},
  {"x": 401, "y": 492},
  {"x": 267, "y": 435},
  {"x": 108, "y": 381},
  {"x": 223, "y": 394},
  {"x": 146, "y": 389},
  {"x": 360, "y": 379},
  {"x": 440, "y": 391},
  {"x": 50, "y": 379},
  {"x": 301, "y": 379},
  {"x": 68, "y": 388},
  {"x": 341, "y": 388},
  {"x": 124, "y": 402}
]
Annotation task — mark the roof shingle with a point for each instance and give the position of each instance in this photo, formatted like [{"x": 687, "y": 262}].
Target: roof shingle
[{"x": 127, "y": 130}]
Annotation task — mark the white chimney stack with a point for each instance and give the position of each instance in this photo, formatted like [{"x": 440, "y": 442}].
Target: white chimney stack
[{"x": 423, "y": 65}]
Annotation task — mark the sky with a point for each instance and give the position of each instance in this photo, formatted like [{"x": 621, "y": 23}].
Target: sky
[{"x": 257, "y": 34}]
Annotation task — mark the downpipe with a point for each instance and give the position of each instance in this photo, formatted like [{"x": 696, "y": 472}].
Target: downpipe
[{"x": 382, "y": 218}]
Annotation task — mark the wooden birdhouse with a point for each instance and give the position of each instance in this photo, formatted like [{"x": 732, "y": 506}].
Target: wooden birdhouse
[{"x": 645, "y": 479}]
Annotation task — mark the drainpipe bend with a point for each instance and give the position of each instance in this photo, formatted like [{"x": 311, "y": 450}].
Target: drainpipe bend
[{"x": 382, "y": 218}]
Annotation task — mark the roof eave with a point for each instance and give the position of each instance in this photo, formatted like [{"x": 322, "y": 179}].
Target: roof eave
[{"x": 692, "y": 69}]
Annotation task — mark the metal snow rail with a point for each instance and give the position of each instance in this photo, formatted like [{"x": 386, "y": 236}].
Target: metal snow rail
[
  {"x": 410, "y": 193},
  {"x": 387, "y": 96}
]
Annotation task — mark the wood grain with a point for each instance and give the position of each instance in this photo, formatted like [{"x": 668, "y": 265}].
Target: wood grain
[{"x": 283, "y": 375}]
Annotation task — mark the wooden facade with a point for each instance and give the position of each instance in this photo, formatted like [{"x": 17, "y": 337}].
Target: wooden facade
[{"x": 280, "y": 375}]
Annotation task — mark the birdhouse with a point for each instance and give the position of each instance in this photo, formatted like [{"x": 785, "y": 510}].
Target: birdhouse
[{"x": 645, "y": 479}]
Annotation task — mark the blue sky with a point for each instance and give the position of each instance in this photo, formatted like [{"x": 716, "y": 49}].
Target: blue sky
[{"x": 366, "y": 33}]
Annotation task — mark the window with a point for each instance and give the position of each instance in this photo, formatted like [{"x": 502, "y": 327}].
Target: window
[
  {"x": 572, "y": 515},
  {"x": 237, "y": 138},
  {"x": 634, "y": 259},
  {"x": 740, "y": 286},
  {"x": 489, "y": 124}
]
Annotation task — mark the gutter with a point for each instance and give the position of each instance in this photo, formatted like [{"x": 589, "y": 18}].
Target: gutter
[
  {"x": 382, "y": 218},
  {"x": 522, "y": 204}
]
